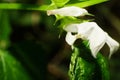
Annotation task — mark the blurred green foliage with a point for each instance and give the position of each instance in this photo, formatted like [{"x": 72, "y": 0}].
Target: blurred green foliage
[
  {"x": 11, "y": 69},
  {"x": 5, "y": 29}
]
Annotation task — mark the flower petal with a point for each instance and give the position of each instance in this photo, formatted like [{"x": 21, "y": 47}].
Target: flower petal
[
  {"x": 114, "y": 45},
  {"x": 85, "y": 30},
  {"x": 96, "y": 39},
  {"x": 71, "y": 28},
  {"x": 94, "y": 34},
  {"x": 70, "y": 39},
  {"x": 68, "y": 11}
]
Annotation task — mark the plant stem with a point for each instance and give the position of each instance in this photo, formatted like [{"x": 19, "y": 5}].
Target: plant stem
[
  {"x": 19, "y": 6},
  {"x": 87, "y": 3}
]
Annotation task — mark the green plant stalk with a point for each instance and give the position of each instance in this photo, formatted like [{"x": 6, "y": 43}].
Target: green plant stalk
[
  {"x": 19, "y": 6},
  {"x": 87, "y": 3}
]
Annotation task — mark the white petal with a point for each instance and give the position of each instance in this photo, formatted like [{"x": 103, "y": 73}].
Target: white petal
[
  {"x": 68, "y": 11},
  {"x": 70, "y": 39},
  {"x": 92, "y": 32},
  {"x": 114, "y": 45},
  {"x": 85, "y": 30},
  {"x": 82, "y": 29},
  {"x": 96, "y": 39},
  {"x": 71, "y": 28}
]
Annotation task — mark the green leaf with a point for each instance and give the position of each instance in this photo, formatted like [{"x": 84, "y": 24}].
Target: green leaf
[
  {"x": 84, "y": 66},
  {"x": 79, "y": 67},
  {"x": 59, "y": 3},
  {"x": 5, "y": 29},
  {"x": 73, "y": 63},
  {"x": 87, "y": 3},
  {"x": 84, "y": 70},
  {"x": 104, "y": 66},
  {"x": 10, "y": 68}
]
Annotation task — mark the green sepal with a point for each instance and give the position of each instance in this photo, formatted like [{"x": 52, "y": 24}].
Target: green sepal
[{"x": 66, "y": 20}]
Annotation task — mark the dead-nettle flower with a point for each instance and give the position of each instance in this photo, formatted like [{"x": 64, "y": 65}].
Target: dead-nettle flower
[
  {"x": 68, "y": 11},
  {"x": 87, "y": 31},
  {"x": 93, "y": 33}
]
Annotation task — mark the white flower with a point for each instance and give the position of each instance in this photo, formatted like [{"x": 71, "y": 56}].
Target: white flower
[
  {"x": 87, "y": 31},
  {"x": 93, "y": 33},
  {"x": 68, "y": 11}
]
